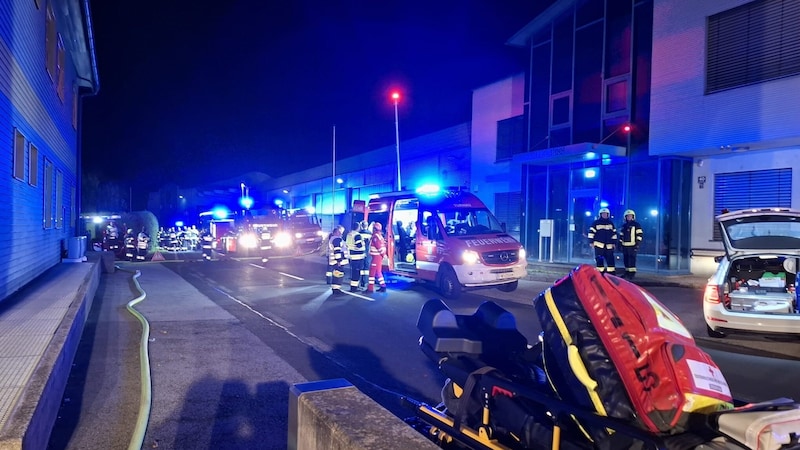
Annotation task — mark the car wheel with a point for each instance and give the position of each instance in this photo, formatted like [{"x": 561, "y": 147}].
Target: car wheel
[
  {"x": 509, "y": 287},
  {"x": 713, "y": 333},
  {"x": 449, "y": 286}
]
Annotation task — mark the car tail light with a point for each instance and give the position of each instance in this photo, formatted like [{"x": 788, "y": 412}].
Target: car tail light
[
  {"x": 715, "y": 294},
  {"x": 712, "y": 294}
]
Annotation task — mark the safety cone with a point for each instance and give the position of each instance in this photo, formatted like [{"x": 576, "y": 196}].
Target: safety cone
[{"x": 157, "y": 256}]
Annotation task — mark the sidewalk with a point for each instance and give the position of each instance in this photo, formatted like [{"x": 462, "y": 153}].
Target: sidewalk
[
  {"x": 551, "y": 272},
  {"x": 214, "y": 384}
]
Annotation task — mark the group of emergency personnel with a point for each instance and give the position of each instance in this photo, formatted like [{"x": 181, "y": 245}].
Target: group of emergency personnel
[
  {"x": 136, "y": 244},
  {"x": 179, "y": 238},
  {"x": 604, "y": 239},
  {"x": 363, "y": 250}
]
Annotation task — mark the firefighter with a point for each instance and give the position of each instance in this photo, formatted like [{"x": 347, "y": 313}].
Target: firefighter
[
  {"x": 112, "y": 237},
  {"x": 603, "y": 237},
  {"x": 630, "y": 238},
  {"x": 377, "y": 250},
  {"x": 366, "y": 236},
  {"x": 358, "y": 250},
  {"x": 337, "y": 258},
  {"x": 141, "y": 245},
  {"x": 130, "y": 244},
  {"x": 207, "y": 242}
]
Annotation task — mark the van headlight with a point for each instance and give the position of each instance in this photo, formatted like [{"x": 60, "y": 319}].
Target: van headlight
[
  {"x": 470, "y": 257},
  {"x": 248, "y": 240},
  {"x": 522, "y": 254}
]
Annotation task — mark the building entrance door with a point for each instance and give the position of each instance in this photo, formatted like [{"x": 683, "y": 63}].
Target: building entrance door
[{"x": 583, "y": 207}]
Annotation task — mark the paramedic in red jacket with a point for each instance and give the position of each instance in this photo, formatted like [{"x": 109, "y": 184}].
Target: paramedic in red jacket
[
  {"x": 603, "y": 238},
  {"x": 377, "y": 250}
]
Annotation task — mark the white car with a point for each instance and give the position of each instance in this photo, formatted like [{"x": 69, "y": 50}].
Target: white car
[{"x": 755, "y": 286}]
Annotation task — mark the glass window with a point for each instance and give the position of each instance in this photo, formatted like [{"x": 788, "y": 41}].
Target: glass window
[
  {"x": 19, "y": 155},
  {"x": 33, "y": 165},
  {"x": 510, "y": 137},
  {"x": 59, "y": 199},
  {"x": 48, "y": 194},
  {"x": 60, "y": 69},
  {"x": 562, "y": 55},
  {"x": 50, "y": 36},
  {"x": 616, "y": 96},
  {"x": 561, "y": 110}
]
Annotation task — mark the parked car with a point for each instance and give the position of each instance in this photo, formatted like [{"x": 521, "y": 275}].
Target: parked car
[{"x": 754, "y": 289}]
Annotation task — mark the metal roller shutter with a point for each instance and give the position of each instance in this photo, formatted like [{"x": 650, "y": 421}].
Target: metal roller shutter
[{"x": 755, "y": 189}]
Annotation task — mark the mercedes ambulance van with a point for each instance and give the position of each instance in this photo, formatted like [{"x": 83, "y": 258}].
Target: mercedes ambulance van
[{"x": 447, "y": 237}]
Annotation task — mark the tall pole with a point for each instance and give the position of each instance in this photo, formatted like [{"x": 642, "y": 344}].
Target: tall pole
[
  {"x": 333, "y": 179},
  {"x": 396, "y": 98}
]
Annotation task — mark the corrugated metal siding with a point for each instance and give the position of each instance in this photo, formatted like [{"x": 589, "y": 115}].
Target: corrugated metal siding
[{"x": 28, "y": 101}]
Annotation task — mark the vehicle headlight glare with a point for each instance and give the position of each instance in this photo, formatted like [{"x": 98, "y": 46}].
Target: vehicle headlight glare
[
  {"x": 470, "y": 257},
  {"x": 248, "y": 240},
  {"x": 283, "y": 240},
  {"x": 522, "y": 254}
]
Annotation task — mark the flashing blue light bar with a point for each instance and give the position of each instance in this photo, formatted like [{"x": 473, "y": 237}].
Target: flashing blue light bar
[
  {"x": 246, "y": 202},
  {"x": 428, "y": 189},
  {"x": 220, "y": 213}
]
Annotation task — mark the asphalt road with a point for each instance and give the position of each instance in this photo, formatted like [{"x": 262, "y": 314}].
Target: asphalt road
[
  {"x": 371, "y": 339},
  {"x": 375, "y": 337}
]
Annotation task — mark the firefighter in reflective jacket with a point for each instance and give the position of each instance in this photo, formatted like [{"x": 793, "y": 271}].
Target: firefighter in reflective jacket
[
  {"x": 358, "y": 250},
  {"x": 377, "y": 250},
  {"x": 130, "y": 244},
  {"x": 337, "y": 258},
  {"x": 366, "y": 236},
  {"x": 630, "y": 238},
  {"x": 141, "y": 245},
  {"x": 207, "y": 242},
  {"x": 603, "y": 238}
]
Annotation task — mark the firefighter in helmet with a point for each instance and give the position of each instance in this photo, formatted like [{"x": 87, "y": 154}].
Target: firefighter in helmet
[
  {"x": 377, "y": 250},
  {"x": 358, "y": 250},
  {"x": 337, "y": 258},
  {"x": 630, "y": 238},
  {"x": 603, "y": 238}
]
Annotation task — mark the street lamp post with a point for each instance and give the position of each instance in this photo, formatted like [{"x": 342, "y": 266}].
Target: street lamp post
[{"x": 396, "y": 98}]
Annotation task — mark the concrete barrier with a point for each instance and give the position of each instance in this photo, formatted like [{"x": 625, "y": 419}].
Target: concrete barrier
[{"x": 335, "y": 415}]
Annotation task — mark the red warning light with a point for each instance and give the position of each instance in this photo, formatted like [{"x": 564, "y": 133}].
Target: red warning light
[
  {"x": 395, "y": 96},
  {"x": 626, "y": 128}
]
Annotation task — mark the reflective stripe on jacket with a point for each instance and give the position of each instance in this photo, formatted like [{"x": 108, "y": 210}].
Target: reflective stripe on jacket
[
  {"x": 631, "y": 234},
  {"x": 603, "y": 234}
]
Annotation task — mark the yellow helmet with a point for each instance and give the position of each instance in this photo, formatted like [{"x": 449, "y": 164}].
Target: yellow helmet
[
  {"x": 604, "y": 210},
  {"x": 629, "y": 212}
]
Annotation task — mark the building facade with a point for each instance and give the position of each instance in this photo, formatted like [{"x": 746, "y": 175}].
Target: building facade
[
  {"x": 46, "y": 65},
  {"x": 710, "y": 94},
  {"x": 725, "y": 92}
]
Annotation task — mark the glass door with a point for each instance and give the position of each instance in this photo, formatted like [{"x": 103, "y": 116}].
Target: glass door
[{"x": 583, "y": 208}]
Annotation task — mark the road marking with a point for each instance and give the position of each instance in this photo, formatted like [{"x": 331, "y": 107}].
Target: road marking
[
  {"x": 361, "y": 296},
  {"x": 282, "y": 273},
  {"x": 292, "y": 276}
]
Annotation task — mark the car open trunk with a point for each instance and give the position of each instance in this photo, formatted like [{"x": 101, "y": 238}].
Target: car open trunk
[{"x": 763, "y": 284}]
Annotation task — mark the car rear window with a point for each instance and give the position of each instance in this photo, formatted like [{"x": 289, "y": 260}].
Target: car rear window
[{"x": 761, "y": 234}]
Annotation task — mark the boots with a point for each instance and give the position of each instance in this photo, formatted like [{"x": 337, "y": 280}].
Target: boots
[{"x": 382, "y": 289}]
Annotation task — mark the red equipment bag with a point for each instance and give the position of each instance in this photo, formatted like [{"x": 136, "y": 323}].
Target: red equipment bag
[{"x": 611, "y": 347}]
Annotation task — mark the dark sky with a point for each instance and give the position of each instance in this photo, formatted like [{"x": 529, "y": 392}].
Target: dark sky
[{"x": 198, "y": 91}]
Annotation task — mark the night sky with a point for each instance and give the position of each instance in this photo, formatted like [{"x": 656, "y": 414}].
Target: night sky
[{"x": 193, "y": 92}]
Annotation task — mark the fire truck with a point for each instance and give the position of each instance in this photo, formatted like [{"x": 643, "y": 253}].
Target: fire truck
[{"x": 447, "y": 237}]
